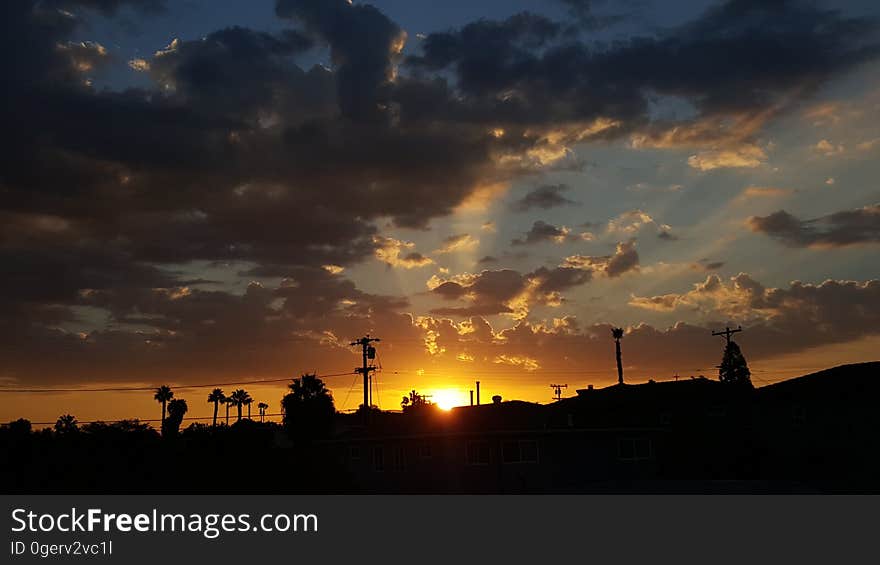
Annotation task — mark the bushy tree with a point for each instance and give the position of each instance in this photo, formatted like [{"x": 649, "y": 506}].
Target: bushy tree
[
  {"x": 66, "y": 424},
  {"x": 20, "y": 427},
  {"x": 734, "y": 369},
  {"x": 308, "y": 408},
  {"x": 176, "y": 409},
  {"x": 415, "y": 402}
]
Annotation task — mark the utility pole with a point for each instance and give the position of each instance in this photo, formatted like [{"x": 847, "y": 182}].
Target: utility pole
[
  {"x": 369, "y": 353},
  {"x": 617, "y": 334},
  {"x": 557, "y": 395},
  {"x": 727, "y": 333}
]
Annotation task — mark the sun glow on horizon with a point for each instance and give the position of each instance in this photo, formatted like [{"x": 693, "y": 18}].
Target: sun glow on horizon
[{"x": 447, "y": 399}]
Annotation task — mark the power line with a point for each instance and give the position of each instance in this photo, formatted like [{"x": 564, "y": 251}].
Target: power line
[
  {"x": 396, "y": 372},
  {"x": 135, "y": 388},
  {"x": 347, "y": 394},
  {"x": 727, "y": 333}
]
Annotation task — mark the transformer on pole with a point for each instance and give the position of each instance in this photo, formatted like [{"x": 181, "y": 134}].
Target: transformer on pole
[{"x": 368, "y": 353}]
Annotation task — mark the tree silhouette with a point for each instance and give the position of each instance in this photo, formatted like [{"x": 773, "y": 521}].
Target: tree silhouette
[
  {"x": 20, "y": 427},
  {"x": 262, "y": 406},
  {"x": 248, "y": 403},
  {"x": 415, "y": 401},
  {"x": 163, "y": 395},
  {"x": 229, "y": 402},
  {"x": 176, "y": 410},
  {"x": 216, "y": 396},
  {"x": 617, "y": 334},
  {"x": 733, "y": 368},
  {"x": 66, "y": 424},
  {"x": 240, "y": 397},
  {"x": 308, "y": 407}
]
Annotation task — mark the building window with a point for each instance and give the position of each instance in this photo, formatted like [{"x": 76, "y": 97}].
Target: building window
[
  {"x": 634, "y": 449},
  {"x": 378, "y": 459},
  {"x": 399, "y": 459},
  {"x": 519, "y": 451},
  {"x": 425, "y": 451},
  {"x": 478, "y": 453}
]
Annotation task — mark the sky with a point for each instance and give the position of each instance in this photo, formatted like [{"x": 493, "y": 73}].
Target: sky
[{"x": 199, "y": 192}]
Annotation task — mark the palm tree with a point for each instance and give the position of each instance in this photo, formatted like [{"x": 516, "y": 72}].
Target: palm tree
[
  {"x": 262, "y": 406},
  {"x": 163, "y": 395},
  {"x": 216, "y": 397},
  {"x": 248, "y": 403},
  {"x": 617, "y": 334},
  {"x": 240, "y": 397},
  {"x": 229, "y": 402}
]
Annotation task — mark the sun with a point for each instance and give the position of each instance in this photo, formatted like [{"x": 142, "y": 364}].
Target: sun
[{"x": 447, "y": 399}]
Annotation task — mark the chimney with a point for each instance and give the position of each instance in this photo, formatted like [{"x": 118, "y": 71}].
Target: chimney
[
  {"x": 472, "y": 398},
  {"x": 478, "y": 393}
]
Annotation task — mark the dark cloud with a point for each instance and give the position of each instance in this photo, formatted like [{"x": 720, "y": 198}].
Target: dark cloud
[
  {"x": 624, "y": 259},
  {"x": 107, "y": 7},
  {"x": 226, "y": 160},
  {"x": 848, "y": 227},
  {"x": 457, "y": 242},
  {"x": 806, "y": 314},
  {"x": 200, "y": 333},
  {"x": 559, "y": 279},
  {"x": 489, "y": 292},
  {"x": 544, "y": 197},
  {"x": 198, "y": 70},
  {"x": 742, "y": 57},
  {"x": 541, "y": 232},
  {"x": 666, "y": 235},
  {"x": 363, "y": 44},
  {"x": 587, "y": 17},
  {"x": 505, "y": 291},
  {"x": 782, "y": 320},
  {"x": 503, "y": 46},
  {"x": 707, "y": 265}
]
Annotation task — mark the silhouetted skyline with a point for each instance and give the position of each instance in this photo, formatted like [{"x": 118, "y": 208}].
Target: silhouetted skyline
[{"x": 692, "y": 435}]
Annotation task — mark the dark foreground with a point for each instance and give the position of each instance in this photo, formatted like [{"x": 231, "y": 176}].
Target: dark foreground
[{"x": 813, "y": 434}]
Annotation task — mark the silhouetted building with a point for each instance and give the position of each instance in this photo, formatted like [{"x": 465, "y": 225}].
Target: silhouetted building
[{"x": 813, "y": 433}]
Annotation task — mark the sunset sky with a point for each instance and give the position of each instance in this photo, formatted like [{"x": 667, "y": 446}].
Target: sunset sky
[{"x": 205, "y": 191}]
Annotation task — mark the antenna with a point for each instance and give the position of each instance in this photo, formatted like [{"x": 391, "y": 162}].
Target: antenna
[{"x": 557, "y": 395}]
